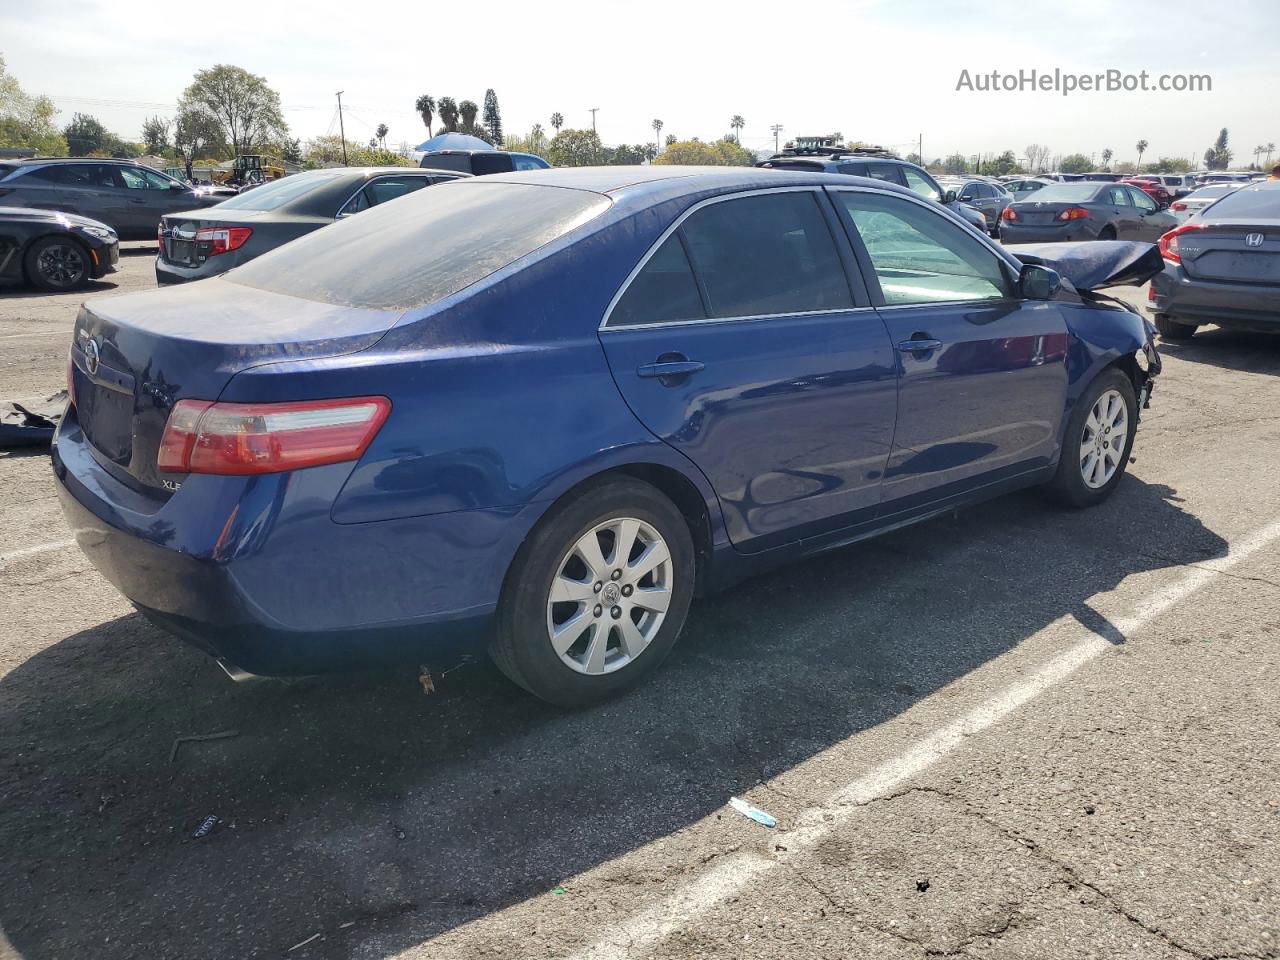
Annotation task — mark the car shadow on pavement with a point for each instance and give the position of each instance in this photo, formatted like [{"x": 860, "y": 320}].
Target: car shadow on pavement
[
  {"x": 363, "y": 809},
  {"x": 16, "y": 291},
  {"x": 1231, "y": 349}
]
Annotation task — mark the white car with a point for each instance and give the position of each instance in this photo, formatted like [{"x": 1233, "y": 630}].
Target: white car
[
  {"x": 1188, "y": 206},
  {"x": 1178, "y": 184}
]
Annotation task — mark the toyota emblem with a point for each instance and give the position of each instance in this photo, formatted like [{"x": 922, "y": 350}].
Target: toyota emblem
[
  {"x": 1254, "y": 239},
  {"x": 91, "y": 356}
]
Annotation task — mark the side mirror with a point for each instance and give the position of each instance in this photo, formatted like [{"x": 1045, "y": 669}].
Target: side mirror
[
  {"x": 949, "y": 197},
  {"x": 1038, "y": 283},
  {"x": 180, "y": 187}
]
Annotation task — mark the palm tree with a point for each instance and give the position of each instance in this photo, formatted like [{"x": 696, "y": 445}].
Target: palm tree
[
  {"x": 657, "y": 130},
  {"x": 1271, "y": 148},
  {"x": 382, "y": 135},
  {"x": 468, "y": 109},
  {"x": 426, "y": 107},
  {"x": 737, "y": 123},
  {"x": 1258, "y": 151},
  {"x": 1107, "y": 154},
  {"x": 1142, "y": 148},
  {"x": 448, "y": 110},
  {"x": 557, "y": 121}
]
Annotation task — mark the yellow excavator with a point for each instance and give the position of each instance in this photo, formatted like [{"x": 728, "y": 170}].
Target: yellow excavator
[{"x": 249, "y": 168}]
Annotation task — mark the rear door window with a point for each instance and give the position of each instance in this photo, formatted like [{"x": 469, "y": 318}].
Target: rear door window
[
  {"x": 920, "y": 256},
  {"x": 1119, "y": 196},
  {"x": 664, "y": 291},
  {"x": 921, "y": 184},
  {"x": 764, "y": 255},
  {"x": 382, "y": 189},
  {"x": 1142, "y": 201},
  {"x": 886, "y": 171}
]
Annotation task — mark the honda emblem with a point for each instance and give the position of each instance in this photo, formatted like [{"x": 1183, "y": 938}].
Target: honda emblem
[{"x": 1253, "y": 239}]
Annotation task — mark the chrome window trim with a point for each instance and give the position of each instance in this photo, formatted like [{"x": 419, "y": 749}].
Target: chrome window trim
[
  {"x": 675, "y": 225},
  {"x": 409, "y": 171}
]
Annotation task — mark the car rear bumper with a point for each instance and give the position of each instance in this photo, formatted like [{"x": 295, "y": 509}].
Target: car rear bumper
[
  {"x": 167, "y": 272},
  {"x": 1049, "y": 233},
  {"x": 250, "y": 571},
  {"x": 1247, "y": 306}
]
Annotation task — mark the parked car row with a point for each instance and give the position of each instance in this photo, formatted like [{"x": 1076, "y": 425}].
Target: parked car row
[{"x": 1087, "y": 210}]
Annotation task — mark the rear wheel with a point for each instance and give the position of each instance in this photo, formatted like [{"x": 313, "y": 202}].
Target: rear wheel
[
  {"x": 1107, "y": 233},
  {"x": 597, "y": 595},
  {"x": 57, "y": 263},
  {"x": 1097, "y": 442},
  {"x": 1172, "y": 329}
]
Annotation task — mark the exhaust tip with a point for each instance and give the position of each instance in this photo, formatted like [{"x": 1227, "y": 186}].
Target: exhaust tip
[{"x": 238, "y": 674}]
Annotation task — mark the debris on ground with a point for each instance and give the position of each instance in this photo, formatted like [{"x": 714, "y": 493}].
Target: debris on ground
[
  {"x": 922, "y": 885},
  {"x": 314, "y": 936},
  {"x": 205, "y": 828},
  {"x": 31, "y": 425},
  {"x": 559, "y": 891},
  {"x": 428, "y": 685},
  {"x": 755, "y": 813},
  {"x": 198, "y": 738},
  {"x": 1089, "y": 809}
]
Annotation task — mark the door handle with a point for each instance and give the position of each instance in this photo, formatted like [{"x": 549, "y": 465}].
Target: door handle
[
  {"x": 920, "y": 345},
  {"x": 669, "y": 368}
]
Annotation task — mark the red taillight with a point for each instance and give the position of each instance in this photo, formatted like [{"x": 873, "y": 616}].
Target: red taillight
[
  {"x": 1151, "y": 292},
  {"x": 250, "y": 438},
  {"x": 1074, "y": 213},
  {"x": 1009, "y": 214},
  {"x": 1169, "y": 242},
  {"x": 71, "y": 380},
  {"x": 223, "y": 239},
  {"x": 1179, "y": 206}
]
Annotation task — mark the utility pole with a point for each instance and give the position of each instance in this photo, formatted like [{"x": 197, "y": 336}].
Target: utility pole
[
  {"x": 777, "y": 129},
  {"x": 342, "y": 130},
  {"x": 593, "y": 118},
  {"x": 920, "y": 149}
]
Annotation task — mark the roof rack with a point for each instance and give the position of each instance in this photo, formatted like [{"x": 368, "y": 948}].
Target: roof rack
[{"x": 835, "y": 153}]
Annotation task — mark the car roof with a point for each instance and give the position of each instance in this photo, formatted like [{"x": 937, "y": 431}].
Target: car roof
[{"x": 32, "y": 161}]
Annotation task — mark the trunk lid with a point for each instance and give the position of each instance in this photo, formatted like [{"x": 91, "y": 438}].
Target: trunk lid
[
  {"x": 134, "y": 356},
  {"x": 177, "y": 235},
  {"x": 1033, "y": 214},
  {"x": 1239, "y": 251}
]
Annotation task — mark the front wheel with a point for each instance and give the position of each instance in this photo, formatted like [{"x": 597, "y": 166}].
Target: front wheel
[
  {"x": 57, "y": 263},
  {"x": 1097, "y": 441},
  {"x": 597, "y": 596}
]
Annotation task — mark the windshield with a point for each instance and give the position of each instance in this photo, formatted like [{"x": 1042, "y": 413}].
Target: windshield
[
  {"x": 1066, "y": 193},
  {"x": 1248, "y": 202},
  {"x": 277, "y": 193},
  {"x": 424, "y": 247}
]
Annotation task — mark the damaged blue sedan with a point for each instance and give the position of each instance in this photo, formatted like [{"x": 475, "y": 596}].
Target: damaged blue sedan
[{"x": 536, "y": 413}]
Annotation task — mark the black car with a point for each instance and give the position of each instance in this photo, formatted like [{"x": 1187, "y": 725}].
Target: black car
[
  {"x": 481, "y": 162},
  {"x": 127, "y": 197},
  {"x": 875, "y": 166},
  {"x": 54, "y": 251},
  {"x": 1222, "y": 266},
  {"x": 1084, "y": 210},
  {"x": 207, "y": 242}
]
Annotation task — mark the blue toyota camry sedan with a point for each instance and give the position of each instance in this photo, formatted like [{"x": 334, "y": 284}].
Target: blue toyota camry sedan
[{"x": 536, "y": 413}]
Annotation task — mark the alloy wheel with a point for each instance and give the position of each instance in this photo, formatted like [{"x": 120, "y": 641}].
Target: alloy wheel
[
  {"x": 61, "y": 264},
  {"x": 1106, "y": 433},
  {"x": 609, "y": 596}
]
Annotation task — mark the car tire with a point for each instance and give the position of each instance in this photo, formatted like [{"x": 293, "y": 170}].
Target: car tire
[
  {"x": 57, "y": 264},
  {"x": 1107, "y": 233},
  {"x": 615, "y": 619},
  {"x": 1090, "y": 467},
  {"x": 1171, "y": 329}
]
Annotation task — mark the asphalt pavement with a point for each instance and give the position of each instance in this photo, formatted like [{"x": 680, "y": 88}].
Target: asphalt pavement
[{"x": 1017, "y": 732}]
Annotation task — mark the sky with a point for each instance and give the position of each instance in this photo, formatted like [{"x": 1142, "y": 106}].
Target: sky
[{"x": 881, "y": 71}]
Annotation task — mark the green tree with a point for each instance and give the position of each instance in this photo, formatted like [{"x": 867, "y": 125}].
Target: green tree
[
  {"x": 426, "y": 107},
  {"x": 657, "y": 129},
  {"x": 198, "y": 135},
  {"x": 1075, "y": 163},
  {"x": 328, "y": 150},
  {"x": 1271, "y": 148},
  {"x": 382, "y": 132},
  {"x": 86, "y": 135},
  {"x": 1003, "y": 165},
  {"x": 448, "y": 111},
  {"x": 1169, "y": 165},
  {"x": 574, "y": 148},
  {"x": 737, "y": 123},
  {"x": 246, "y": 110},
  {"x": 671, "y": 138},
  {"x": 723, "y": 153},
  {"x": 155, "y": 134},
  {"x": 492, "y": 117},
  {"x": 27, "y": 121},
  {"x": 1218, "y": 157},
  {"x": 468, "y": 110},
  {"x": 557, "y": 121},
  {"x": 1141, "y": 147},
  {"x": 535, "y": 142},
  {"x": 956, "y": 163},
  {"x": 291, "y": 151},
  {"x": 1107, "y": 154}
]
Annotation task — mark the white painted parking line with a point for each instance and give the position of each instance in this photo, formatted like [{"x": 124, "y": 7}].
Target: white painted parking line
[
  {"x": 31, "y": 551},
  {"x": 34, "y": 333},
  {"x": 639, "y": 934}
]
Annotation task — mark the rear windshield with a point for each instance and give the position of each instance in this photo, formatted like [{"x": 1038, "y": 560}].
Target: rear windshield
[
  {"x": 277, "y": 193},
  {"x": 424, "y": 247},
  {"x": 1259, "y": 201},
  {"x": 1214, "y": 192},
  {"x": 1067, "y": 192}
]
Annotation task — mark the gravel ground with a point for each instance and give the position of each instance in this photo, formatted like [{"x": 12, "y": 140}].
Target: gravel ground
[{"x": 1018, "y": 732}]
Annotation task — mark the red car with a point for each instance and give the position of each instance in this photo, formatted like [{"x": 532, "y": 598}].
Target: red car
[{"x": 1152, "y": 188}]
